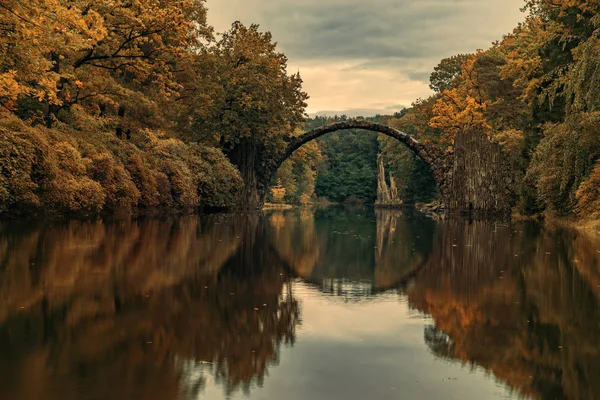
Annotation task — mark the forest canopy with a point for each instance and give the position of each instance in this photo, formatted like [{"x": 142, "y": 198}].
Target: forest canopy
[{"x": 119, "y": 106}]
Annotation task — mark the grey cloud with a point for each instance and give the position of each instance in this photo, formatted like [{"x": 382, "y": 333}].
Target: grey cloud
[
  {"x": 419, "y": 76},
  {"x": 378, "y": 29},
  {"x": 355, "y": 54}
]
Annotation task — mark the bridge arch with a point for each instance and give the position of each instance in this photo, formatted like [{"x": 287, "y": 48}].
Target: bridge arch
[
  {"x": 473, "y": 176},
  {"x": 432, "y": 155}
]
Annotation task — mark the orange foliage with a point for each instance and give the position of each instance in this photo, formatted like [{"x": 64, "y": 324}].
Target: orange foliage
[
  {"x": 462, "y": 108},
  {"x": 62, "y": 53}
]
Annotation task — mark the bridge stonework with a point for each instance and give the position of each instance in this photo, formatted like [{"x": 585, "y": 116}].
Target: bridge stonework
[{"x": 472, "y": 177}]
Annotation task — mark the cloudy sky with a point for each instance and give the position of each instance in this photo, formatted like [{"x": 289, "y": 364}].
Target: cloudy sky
[{"x": 362, "y": 57}]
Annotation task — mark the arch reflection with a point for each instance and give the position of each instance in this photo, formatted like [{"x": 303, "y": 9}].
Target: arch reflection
[{"x": 352, "y": 253}]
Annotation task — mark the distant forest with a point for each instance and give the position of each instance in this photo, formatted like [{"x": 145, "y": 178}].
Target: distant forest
[{"x": 342, "y": 166}]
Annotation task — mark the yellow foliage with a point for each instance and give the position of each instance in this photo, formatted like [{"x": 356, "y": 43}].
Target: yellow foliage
[
  {"x": 306, "y": 198},
  {"x": 278, "y": 193},
  {"x": 524, "y": 63},
  {"x": 588, "y": 195},
  {"x": 64, "y": 52},
  {"x": 464, "y": 106},
  {"x": 457, "y": 111},
  {"x": 63, "y": 171},
  {"x": 69, "y": 195},
  {"x": 121, "y": 193},
  {"x": 511, "y": 140}
]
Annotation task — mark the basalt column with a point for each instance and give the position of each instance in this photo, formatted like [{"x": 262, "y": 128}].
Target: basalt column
[
  {"x": 387, "y": 196},
  {"x": 479, "y": 181}
]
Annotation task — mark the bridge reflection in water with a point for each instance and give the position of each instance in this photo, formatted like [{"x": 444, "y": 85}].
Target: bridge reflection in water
[{"x": 178, "y": 308}]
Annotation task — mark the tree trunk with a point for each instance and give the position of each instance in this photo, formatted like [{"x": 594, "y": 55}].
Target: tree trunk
[{"x": 245, "y": 156}]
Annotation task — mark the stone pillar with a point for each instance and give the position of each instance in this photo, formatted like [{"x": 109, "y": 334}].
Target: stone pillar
[{"x": 383, "y": 193}]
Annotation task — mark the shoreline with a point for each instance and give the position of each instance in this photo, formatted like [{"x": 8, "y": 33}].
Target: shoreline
[{"x": 271, "y": 206}]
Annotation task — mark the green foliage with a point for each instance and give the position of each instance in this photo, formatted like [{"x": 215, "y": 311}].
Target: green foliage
[
  {"x": 583, "y": 87},
  {"x": 350, "y": 167},
  {"x": 563, "y": 160},
  {"x": 297, "y": 175},
  {"x": 252, "y": 96},
  {"x": 349, "y": 170},
  {"x": 217, "y": 180},
  {"x": 588, "y": 195},
  {"x": 444, "y": 74},
  {"x": 414, "y": 177}
]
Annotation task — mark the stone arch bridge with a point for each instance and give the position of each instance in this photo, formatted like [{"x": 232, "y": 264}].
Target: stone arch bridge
[{"x": 472, "y": 176}]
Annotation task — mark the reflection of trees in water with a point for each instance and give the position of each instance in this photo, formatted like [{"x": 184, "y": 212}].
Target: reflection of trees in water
[
  {"x": 53, "y": 262},
  {"x": 520, "y": 302},
  {"x": 170, "y": 304},
  {"x": 296, "y": 240},
  {"x": 351, "y": 253}
]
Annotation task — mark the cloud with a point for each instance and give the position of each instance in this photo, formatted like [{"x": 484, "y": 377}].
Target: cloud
[{"x": 349, "y": 52}]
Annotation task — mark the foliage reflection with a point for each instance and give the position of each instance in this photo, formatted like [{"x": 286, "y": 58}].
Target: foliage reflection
[
  {"x": 167, "y": 309},
  {"x": 519, "y": 301},
  {"x": 148, "y": 309}
]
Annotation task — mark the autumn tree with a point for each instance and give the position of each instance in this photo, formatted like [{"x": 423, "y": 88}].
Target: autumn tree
[
  {"x": 298, "y": 174},
  {"x": 98, "y": 53},
  {"x": 98, "y": 67},
  {"x": 446, "y": 72},
  {"x": 255, "y": 103}
]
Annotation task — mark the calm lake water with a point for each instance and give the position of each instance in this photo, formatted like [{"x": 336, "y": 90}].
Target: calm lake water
[{"x": 300, "y": 304}]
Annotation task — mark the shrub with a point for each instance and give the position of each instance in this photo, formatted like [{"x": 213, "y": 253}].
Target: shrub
[
  {"x": 78, "y": 196},
  {"x": 121, "y": 193},
  {"x": 218, "y": 181},
  {"x": 172, "y": 158},
  {"x": 145, "y": 180},
  {"x": 68, "y": 171},
  {"x": 25, "y": 167},
  {"x": 16, "y": 164}
]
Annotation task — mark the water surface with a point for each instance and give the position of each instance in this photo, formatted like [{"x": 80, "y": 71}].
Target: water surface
[{"x": 299, "y": 304}]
